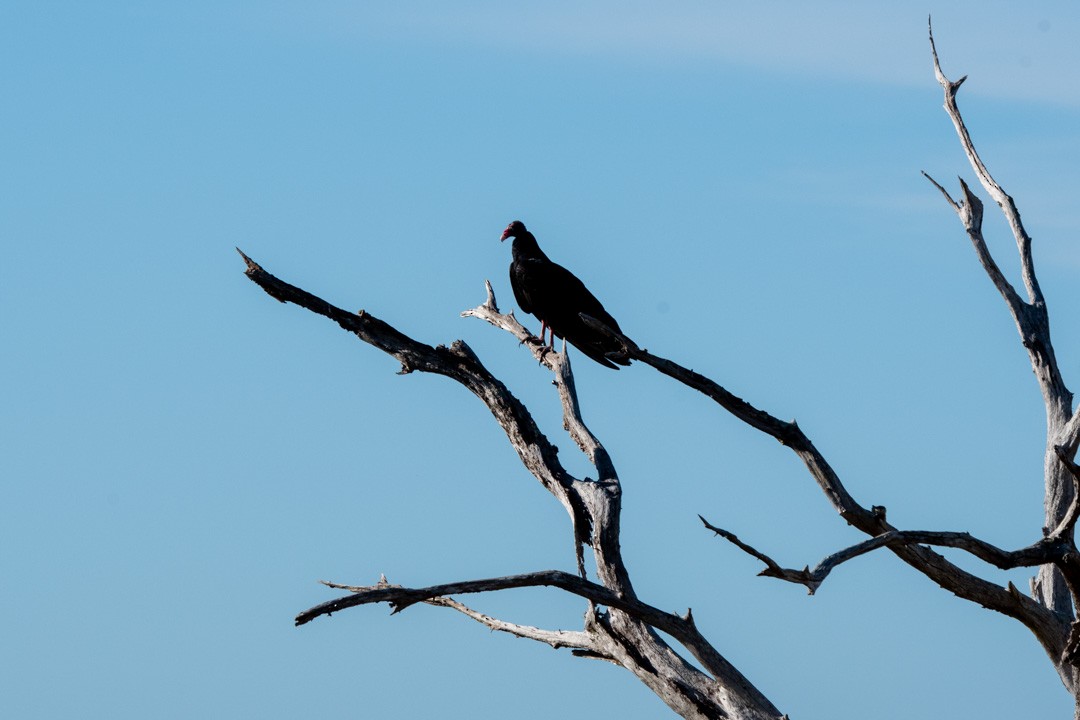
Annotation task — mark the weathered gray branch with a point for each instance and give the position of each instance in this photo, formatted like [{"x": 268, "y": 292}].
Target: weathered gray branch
[
  {"x": 559, "y": 363},
  {"x": 1055, "y": 588},
  {"x": 1068, "y": 436},
  {"x": 1008, "y": 207},
  {"x": 459, "y": 362},
  {"x": 575, "y": 640},
  {"x": 1044, "y": 551},
  {"x": 400, "y": 598},
  {"x": 1049, "y": 628},
  {"x": 489, "y": 312},
  {"x": 555, "y": 638},
  {"x": 970, "y": 211},
  {"x": 628, "y": 633},
  {"x": 682, "y": 628},
  {"x": 1067, "y": 526}
]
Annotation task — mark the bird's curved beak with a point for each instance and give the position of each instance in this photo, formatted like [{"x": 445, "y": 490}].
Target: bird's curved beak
[{"x": 506, "y": 234}]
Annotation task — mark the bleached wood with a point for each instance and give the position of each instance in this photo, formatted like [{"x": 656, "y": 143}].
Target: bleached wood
[
  {"x": 619, "y": 627},
  {"x": 1054, "y": 586}
]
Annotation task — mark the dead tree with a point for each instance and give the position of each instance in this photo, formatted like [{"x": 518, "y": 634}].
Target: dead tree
[
  {"x": 619, "y": 627},
  {"x": 1050, "y": 610},
  {"x": 622, "y": 628}
]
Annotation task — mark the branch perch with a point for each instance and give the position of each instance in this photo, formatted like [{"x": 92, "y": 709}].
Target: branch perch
[
  {"x": 627, "y": 633},
  {"x": 1048, "y": 627},
  {"x": 1045, "y": 551}
]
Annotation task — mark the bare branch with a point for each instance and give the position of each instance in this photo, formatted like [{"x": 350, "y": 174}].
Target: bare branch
[
  {"x": 575, "y": 639},
  {"x": 683, "y": 629},
  {"x": 411, "y": 354},
  {"x": 575, "y": 426},
  {"x": 601, "y": 497},
  {"x": 555, "y": 638},
  {"x": 970, "y": 211},
  {"x": 955, "y": 205},
  {"x": 1008, "y": 207},
  {"x": 772, "y": 568},
  {"x": 1031, "y": 317},
  {"x": 1043, "y": 552},
  {"x": 489, "y": 312},
  {"x": 1069, "y": 435},
  {"x": 457, "y": 362},
  {"x": 559, "y": 363},
  {"x": 1033, "y": 324},
  {"x": 627, "y": 634},
  {"x": 1068, "y": 521},
  {"x": 937, "y": 65},
  {"x": 1071, "y": 654},
  {"x": 1046, "y": 625},
  {"x": 399, "y": 598}
]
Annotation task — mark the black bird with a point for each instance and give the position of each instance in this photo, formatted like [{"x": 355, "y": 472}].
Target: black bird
[{"x": 556, "y": 297}]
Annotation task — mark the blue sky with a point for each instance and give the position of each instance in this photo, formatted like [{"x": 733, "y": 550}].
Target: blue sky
[{"x": 183, "y": 457}]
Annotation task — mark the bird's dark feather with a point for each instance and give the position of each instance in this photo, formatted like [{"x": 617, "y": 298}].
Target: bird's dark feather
[{"x": 557, "y": 297}]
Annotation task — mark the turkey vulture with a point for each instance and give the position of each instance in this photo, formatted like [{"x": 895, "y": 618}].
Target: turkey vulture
[{"x": 556, "y": 297}]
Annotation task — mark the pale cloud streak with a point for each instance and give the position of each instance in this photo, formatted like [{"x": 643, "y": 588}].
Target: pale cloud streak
[{"x": 1026, "y": 52}]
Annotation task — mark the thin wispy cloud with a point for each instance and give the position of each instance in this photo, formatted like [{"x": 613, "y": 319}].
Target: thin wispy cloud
[{"x": 1023, "y": 52}]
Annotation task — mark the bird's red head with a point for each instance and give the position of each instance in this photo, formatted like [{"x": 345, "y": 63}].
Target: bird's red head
[{"x": 513, "y": 230}]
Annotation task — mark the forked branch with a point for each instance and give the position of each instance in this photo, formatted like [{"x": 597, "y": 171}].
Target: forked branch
[
  {"x": 1008, "y": 207},
  {"x": 555, "y": 638},
  {"x": 1055, "y": 590},
  {"x": 399, "y": 598},
  {"x": 459, "y": 362},
  {"x": 627, "y": 633},
  {"x": 1047, "y": 627},
  {"x": 1044, "y": 551}
]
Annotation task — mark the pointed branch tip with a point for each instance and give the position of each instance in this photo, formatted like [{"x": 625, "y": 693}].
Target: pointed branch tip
[{"x": 252, "y": 265}]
